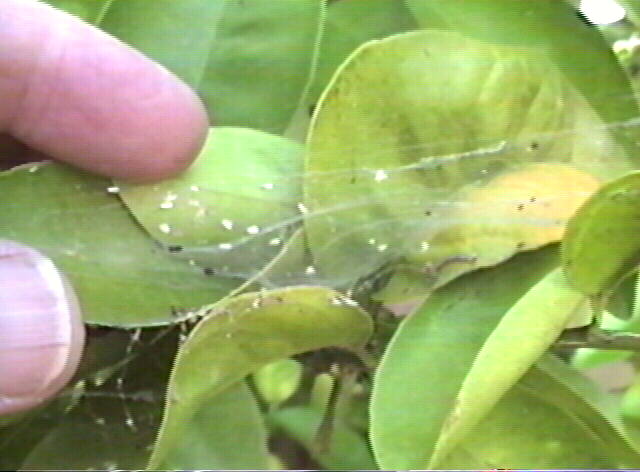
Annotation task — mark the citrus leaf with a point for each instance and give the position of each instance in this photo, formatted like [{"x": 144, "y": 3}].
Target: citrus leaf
[
  {"x": 417, "y": 152},
  {"x": 261, "y": 61},
  {"x": 555, "y": 29},
  {"x": 523, "y": 334},
  {"x": 231, "y": 210},
  {"x": 121, "y": 276},
  {"x": 241, "y": 334},
  {"x": 432, "y": 352},
  {"x": 545, "y": 437},
  {"x": 560, "y": 384},
  {"x": 226, "y": 433},
  {"x": 601, "y": 246},
  {"x": 349, "y": 24}
]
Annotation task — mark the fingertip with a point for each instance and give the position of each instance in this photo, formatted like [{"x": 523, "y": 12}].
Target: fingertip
[
  {"x": 86, "y": 98},
  {"x": 41, "y": 330}
]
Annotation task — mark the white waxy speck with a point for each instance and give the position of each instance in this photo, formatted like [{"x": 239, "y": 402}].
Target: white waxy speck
[
  {"x": 267, "y": 186},
  {"x": 201, "y": 213},
  {"x": 372, "y": 241},
  {"x": 349, "y": 302},
  {"x": 227, "y": 224},
  {"x": 225, "y": 246},
  {"x": 195, "y": 188},
  {"x": 166, "y": 205},
  {"x": 302, "y": 208},
  {"x": 113, "y": 189},
  {"x": 310, "y": 270},
  {"x": 170, "y": 197},
  {"x": 253, "y": 229},
  {"x": 424, "y": 246},
  {"x": 383, "y": 247},
  {"x": 380, "y": 175},
  {"x": 34, "y": 168},
  {"x": 275, "y": 242},
  {"x": 165, "y": 228},
  {"x": 192, "y": 262}
]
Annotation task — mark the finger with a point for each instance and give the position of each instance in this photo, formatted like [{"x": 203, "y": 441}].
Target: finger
[
  {"x": 81, "y": 96},
  {"x": 41, "y": 330}
]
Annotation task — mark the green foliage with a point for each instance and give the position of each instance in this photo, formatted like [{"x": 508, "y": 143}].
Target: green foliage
[
  {"x": 122, "y": 277},
  {"x": 609, "y": 219},
  {"x": 364, "y": 155}
]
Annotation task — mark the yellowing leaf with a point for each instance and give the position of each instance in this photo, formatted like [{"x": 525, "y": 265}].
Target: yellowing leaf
[{"x": 530, "y": 208}]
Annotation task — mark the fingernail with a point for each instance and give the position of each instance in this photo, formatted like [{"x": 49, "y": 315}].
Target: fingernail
[{"x": 41, "y": 330}]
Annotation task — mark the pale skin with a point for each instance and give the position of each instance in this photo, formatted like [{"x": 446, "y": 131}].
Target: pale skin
[{"x": 72, "y": 93}]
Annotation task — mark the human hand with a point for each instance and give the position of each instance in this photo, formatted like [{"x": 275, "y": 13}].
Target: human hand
[{"x": 73, "y": 93}]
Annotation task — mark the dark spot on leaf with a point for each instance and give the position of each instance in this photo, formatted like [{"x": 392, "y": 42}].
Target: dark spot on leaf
[
  {"x": 208, "y": 271},
  {"x": 520, "y": 207},
  {"x": 532, "y": 199},
  {"x": 312, "y": 109},
  {"x": 520, "y": 245},
  {"x": 175, "y": 248},
  {"x": 428, "y": 213},
  {"x": 534, "y": 146}
]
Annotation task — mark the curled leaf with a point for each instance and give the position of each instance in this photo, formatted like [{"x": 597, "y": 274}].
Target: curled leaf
[{"x": 244, "y": 333}]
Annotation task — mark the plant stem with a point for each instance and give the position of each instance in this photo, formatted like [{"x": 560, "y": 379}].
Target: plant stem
[{"x": 597, "y": 338}]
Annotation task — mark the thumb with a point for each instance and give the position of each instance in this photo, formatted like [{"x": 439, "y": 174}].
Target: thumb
[{"x": 41, "y": 330}]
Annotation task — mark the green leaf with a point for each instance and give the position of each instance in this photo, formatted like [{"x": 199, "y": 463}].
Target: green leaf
[
  {"x": 121, "y": 276},
  {"x": 523, "y": 334},
  {"x": 241, "y": 334},
  {"x": 278, "y": 380},
  {"x": 557, "y": 382},
  {"x": 348, "y": 450},
  {"x": 417, "y": 152},
  {"x": 525, "y": 431},
  {"x": 349, "y": 24},
  {"x": 261, "y": 61},
  {"x": 432, "y": 352},
  {"x": 553, "y": 418},
  {"x": 601, "y": 246},
  {"x": 231, "y": 210},
  {"x": 226, "y": 433},
  {"x": 553, "y": 27}
]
